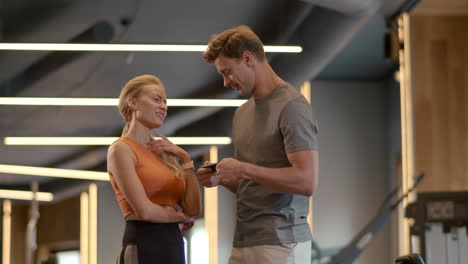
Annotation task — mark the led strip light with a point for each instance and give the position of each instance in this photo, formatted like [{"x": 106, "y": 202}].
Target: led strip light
[
  {"x": 127, "y": 47},
  {"x": 25, "y": 195},
  {"x": 88, "y": 141},
  {"x": 55, "y": 101},
  {"x": 53, "y": 172}
]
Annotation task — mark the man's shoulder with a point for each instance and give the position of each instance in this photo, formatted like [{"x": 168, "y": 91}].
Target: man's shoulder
[
  {"x": 293, "y": 99},
  {"x": 245, "y": 106},
  {"x": 286, "y": 94}
]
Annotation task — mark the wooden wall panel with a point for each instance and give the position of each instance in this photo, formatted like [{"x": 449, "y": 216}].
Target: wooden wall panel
[
  {"x": 442, "y": 7},
  {"x": 439, "y": 47},
  {"x": 59, "y": 222},
  {"x": 58, "y": 227},
  {"x": 19, "y": 214}
]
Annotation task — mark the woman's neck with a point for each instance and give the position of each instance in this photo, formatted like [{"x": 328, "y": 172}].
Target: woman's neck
[{"x": 138, "y": 133}]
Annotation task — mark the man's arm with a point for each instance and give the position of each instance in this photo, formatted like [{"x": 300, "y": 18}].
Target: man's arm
[
  {"x": 301, "y": 178},
  {"x": 232, "y": 185}
]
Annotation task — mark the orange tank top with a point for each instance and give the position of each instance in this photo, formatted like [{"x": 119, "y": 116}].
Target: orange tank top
[{"x": 161, "y": 185}]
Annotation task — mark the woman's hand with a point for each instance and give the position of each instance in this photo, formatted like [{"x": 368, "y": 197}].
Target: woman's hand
[
  {"x": 163, "y": 144},
  {"x": 179, "y": 217},
  {"x": 186, "y": 227},
  {"x": 171, "y": 216}
]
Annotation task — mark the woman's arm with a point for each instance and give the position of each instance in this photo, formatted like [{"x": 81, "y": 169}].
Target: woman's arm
[
  {"x": 191, "y": 203},
  {"x": 121, "y": 165}
]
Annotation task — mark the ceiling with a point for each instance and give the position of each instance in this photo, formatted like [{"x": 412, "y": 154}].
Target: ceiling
[{"x": 340, "y": 43}]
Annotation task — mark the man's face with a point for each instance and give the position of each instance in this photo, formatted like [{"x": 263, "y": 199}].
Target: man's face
[{"x": 237, "y": 73}]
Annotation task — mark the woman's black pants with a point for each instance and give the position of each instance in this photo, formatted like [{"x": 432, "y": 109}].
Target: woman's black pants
[{"x": 145, "y": 243}]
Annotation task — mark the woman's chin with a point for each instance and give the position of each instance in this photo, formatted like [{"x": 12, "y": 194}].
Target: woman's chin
[
  {"x": 153, "y": 124},
  {"x": 156, "y": 125}
]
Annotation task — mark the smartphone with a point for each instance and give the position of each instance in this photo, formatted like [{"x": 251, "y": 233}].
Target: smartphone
[{"x": 211, "y": 166}]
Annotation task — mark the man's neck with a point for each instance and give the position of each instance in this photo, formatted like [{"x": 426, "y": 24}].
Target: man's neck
[{"x": 266, "y": 82}]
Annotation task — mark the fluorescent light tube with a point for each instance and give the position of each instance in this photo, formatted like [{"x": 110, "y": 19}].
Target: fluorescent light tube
[
  {"x": 87, "y": 141},
  {"x": 6, "y": 232},
  {"x": 206, "y": 102},
  {"x": 93, "y": 218},
  {"x": 127, "y": 47},
  {"x": 84, "y": 228},
  {"x": 114, "y": 102},
  {"x": 58, "y": 101},
  {"x": 53, "y": 172},
  {"x": 25, "y": 195}
]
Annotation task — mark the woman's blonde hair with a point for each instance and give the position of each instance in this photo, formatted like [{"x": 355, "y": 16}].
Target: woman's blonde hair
[{"x": 131, "y": 90}]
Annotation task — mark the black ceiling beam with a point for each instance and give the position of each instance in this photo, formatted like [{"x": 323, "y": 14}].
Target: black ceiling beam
[{"x": 100, "y": 32}]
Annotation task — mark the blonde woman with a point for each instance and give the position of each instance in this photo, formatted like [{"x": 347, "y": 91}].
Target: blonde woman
[{"x": 153, "y": 180}]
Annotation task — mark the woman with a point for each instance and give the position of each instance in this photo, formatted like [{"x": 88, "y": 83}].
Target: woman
[{"x": 153, "y": 180}]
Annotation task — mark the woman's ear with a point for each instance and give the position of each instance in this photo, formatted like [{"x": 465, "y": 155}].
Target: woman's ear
[{"x": 132, "y": 104}]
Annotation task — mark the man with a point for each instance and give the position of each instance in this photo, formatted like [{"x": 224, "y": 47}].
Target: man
[{"x": 275, "y": 169}]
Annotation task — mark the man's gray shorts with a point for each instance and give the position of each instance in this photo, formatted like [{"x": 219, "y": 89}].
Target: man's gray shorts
[{"x": 294, "y": 253}]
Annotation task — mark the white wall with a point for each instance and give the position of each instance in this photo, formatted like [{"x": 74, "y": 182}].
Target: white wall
[{"x": 354, "y": 173}]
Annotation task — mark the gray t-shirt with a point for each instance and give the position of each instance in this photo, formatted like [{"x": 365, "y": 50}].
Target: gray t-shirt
[{"x": 264, "y": 131}]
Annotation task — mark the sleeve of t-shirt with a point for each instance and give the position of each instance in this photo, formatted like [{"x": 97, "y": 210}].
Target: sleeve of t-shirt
[{"x": 298, "y": 126}]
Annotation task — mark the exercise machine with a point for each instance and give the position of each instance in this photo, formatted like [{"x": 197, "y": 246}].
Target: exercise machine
[{"x": 439, "y": 230}]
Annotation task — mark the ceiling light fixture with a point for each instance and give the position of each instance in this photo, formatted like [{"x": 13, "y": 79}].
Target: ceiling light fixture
[
  {"x": 206, "y": 102},
  {"x": 55, "y": 101},
  {"x": 87, "y": 141},
  {"x": 6, "y": 232},
  {"x": 53, "y": 172},
  {"x": 25, "y": 195},
  {"x": 127, "y": 47}
]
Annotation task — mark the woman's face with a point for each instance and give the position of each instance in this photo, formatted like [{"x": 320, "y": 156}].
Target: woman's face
[{"x": 151, "y": 106}]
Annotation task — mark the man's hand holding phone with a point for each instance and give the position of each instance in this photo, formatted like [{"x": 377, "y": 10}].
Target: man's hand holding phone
[
  {"x": 211, "y": 166},
  {"x": 207, "y": 176}
]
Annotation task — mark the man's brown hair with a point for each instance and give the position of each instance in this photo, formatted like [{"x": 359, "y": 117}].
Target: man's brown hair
[{"x": 232, "y": 43}]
